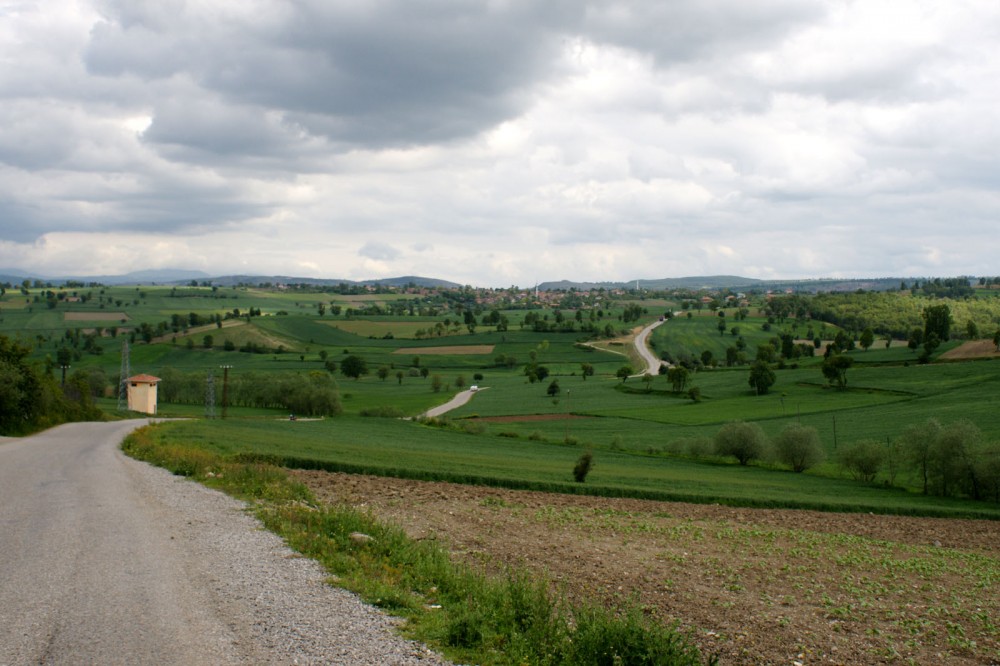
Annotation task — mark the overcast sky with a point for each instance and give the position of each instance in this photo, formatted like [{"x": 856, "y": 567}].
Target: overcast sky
[{"x": 501, "y": 142}]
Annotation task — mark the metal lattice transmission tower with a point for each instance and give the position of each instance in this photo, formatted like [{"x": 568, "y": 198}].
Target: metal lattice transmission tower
[
  {"x": 123, "y": 378},
  {"x": 210, "y": 396}
]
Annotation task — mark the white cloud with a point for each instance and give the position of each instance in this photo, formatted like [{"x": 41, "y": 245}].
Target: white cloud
[{"x": 500, "y": 143}]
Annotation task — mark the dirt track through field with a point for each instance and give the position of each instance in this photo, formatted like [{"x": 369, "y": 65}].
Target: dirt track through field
[{"x": 754, "y": 586}]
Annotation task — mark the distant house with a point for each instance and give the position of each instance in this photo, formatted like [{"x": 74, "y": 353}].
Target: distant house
[{"x": 142, "y": 393}]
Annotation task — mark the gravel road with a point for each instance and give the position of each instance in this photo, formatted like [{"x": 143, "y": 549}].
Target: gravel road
[{"x": 112, "y": 561}]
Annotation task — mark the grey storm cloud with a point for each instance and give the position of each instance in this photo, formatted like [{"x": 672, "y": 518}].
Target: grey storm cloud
[
  {"x": 503, "y": 135},
  {"x": 379, "y": 73}
]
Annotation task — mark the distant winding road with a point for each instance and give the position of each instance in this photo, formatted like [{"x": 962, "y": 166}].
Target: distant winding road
[{"x": 652, "y": 362}]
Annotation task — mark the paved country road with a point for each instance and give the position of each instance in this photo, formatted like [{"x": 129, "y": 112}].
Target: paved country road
[
  {"x": 107, "y": 560},
  {"x": 652, "y": 362}
]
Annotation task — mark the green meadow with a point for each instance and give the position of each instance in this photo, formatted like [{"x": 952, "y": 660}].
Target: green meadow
[{"x": 647, "y": 439}]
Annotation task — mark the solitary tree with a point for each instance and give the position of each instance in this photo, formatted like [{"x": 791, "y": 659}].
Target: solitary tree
[
  {"x": 647, "y": 379},
  {"x": 587, "y": 370},
  {"x": 382, "y": 372},
  {"x": 583, "y": 467},
  {"x": 353, "y": 366},
  {"x": 762, "y": 378},
  {"x": 624, "y": 372},
  {"x": 678, "y": 377},
  {"x": 553, "y": 389},
  {"x": 744, "y": 441},
  {"x": 835, "y": 369}
]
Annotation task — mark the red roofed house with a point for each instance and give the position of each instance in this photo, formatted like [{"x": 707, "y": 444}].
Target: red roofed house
[{"x": 142, "y": 393}]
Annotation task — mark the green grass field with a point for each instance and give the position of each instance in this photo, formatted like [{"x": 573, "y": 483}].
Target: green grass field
[
  {"x": 887, "y": 390},
  {"x": 403, "y": 448}
]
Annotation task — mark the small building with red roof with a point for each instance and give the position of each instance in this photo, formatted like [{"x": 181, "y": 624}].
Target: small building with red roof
[{"x": 142, "y": 393}]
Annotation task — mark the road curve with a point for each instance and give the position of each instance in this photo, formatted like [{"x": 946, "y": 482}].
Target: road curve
[
  {"x": 107, "y": 560},
  {"x": 457, "y": 401},
  {"x": 652, "y": 362}
]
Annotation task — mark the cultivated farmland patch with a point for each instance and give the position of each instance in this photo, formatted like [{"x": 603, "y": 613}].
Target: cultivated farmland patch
[
  {"x": 972, "y": 349},
  {"x": 754, "y": 586},
  {"x": 95, "y": 316},
  {"x": 452, "y": 350}
]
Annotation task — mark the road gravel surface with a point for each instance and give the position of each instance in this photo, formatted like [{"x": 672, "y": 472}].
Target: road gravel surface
[{"x": 107, "y": 560}]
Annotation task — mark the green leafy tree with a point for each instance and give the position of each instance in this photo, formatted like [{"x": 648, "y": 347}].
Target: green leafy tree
[
  {"x": 587, "y": 370},
  {"x": 937, "y": 321},
  {"x": 835, "y": 369},
  {"x": 762, "y": 378},
  {"x": 437, "y": 383},
  {"x": 863, "y": 459},
  {"x": 647, "y": 379},
  {"x": 867, "y": 339},
  {"x": 799, "y": 447},
  {"x": 382, "y": 372},
  {"x": 353, "y": 366},
  {"x": 744, "y": 441},
  {"x": 553, "y": 389},
  {"x": 399, "y": 376},
  {"x": 678, "y": 377},
  {"x": 624, "y": 372},
  {"x": 917, "y": 444}
]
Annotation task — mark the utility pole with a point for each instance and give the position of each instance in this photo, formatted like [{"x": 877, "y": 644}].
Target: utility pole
[{"x": 225, "y": 389}]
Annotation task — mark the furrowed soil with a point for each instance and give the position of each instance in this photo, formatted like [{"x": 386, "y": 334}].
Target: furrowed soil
[{"x": 752, "y": 586}]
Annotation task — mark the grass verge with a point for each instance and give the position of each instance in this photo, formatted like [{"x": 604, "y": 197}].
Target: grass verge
[{"x": 468, "y": 616}]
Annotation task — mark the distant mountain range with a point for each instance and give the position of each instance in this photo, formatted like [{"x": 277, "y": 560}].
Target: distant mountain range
[
  {"x": 178, "y": 277},
  {"x": 695, "y": 283}
]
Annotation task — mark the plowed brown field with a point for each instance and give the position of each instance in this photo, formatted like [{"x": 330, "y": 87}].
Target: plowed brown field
[{"x": 753, "y": 586}]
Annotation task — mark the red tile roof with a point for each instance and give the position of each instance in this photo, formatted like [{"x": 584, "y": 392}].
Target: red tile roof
[{"x": 144, "y": 379}]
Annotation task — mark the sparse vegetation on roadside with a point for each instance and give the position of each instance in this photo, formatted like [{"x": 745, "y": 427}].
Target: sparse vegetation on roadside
[{"x": 513, "y": 619}]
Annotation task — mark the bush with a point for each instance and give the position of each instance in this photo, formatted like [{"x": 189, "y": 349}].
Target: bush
[
  {"x": 744, "y": 441},
  {"x": 699, "y": 447},
  {"x": 863, "y": 459},
  {"x": 799, "y": 447},
  {"x": 583, "y": 467}
]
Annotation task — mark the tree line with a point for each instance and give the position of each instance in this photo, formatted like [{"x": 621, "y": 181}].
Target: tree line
[
  {"x": 32, "y": 399},
  {"x": 307, "y": 394},
  {"x": 953, "y": 460}
]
